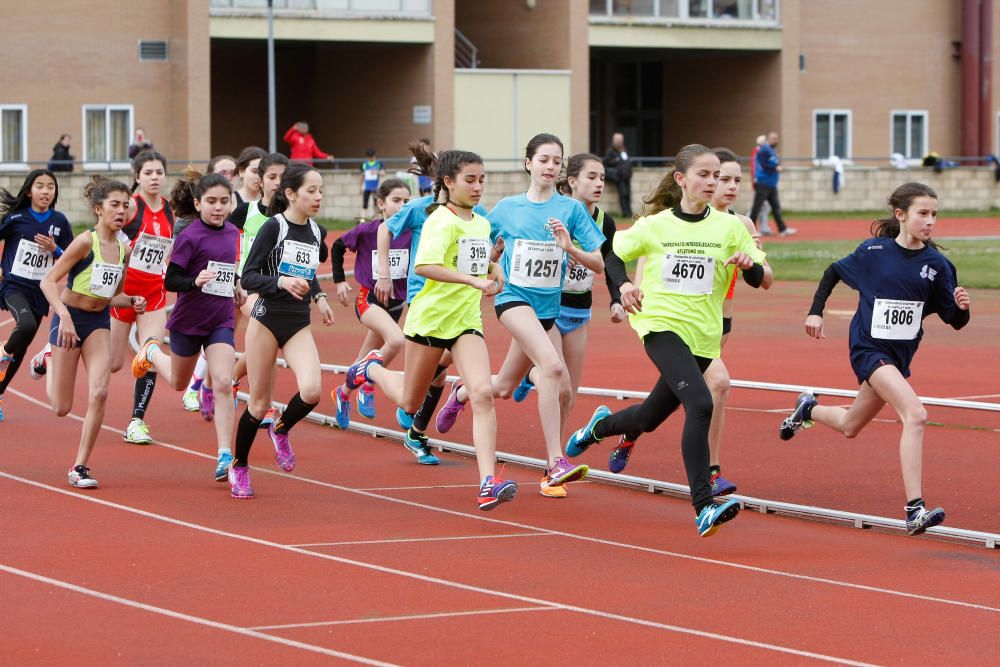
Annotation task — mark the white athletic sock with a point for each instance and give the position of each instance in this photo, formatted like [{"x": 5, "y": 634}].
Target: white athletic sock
[
  {"x": 201, "y": 368},
  {"x": 225, "y": 450}
]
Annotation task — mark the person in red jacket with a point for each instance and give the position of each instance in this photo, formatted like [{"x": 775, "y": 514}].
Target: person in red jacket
[{"x": 302, "y": 145}]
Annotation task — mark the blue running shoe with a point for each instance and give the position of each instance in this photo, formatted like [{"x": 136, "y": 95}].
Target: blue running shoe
[
  {"x": 416, "y": 443},
  {"x": 357, "y": 374},
  {"x": 919, "y": 519},
  {"x": 720, "y": 485},
  {"x": 620, "y": 455},
  {"x": 404, "y": 420},
  {"x": 222, "y": 467},
  {"x": 366, "y": 400},
  {"x": 523, "y": 389},
  {"x": 801, "y": 416},
  {"x": 494, "y": 491},
  {"x": 584, "y": 438},
  {"x": 1, "y": 410},
  {"x": 343, "y": 402},
  {"x": 712, "y": 516}
]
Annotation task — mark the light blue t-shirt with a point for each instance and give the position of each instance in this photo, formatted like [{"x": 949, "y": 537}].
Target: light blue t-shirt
[
  {"x": 412, "y": 216},
  {"x": 537, "y": 275}
]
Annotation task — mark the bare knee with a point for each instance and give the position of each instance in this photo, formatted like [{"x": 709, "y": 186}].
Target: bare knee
[
  {"x": 504, "y": 390},
  {"x": 915, "y": 418},
  {"x": 310, "y": 393},
  {"x": 393, "y": 346},
  {"x": 61, "y": 409},
  {"x": 481, "y": 397},
  {"x": 258, "y": 407},
  {"x": 99, "y": 396},
  {"x": 719, "y": 386}
]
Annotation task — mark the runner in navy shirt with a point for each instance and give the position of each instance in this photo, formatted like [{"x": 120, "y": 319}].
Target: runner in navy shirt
[
  {"x": 902, "y": 278},
  {"x": 34, "y": 236}
]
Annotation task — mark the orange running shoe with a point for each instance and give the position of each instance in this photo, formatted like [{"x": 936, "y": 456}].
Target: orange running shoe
[{"x": 140, "y": 362}]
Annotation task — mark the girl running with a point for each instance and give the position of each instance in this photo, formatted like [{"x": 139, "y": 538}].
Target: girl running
[
  {"x": 149, "y": 232},
  {"x": 281, "y": 269},
  {"x": 247, "y": 163},
  {"x": 537, "y": 230},
  {"x": 34, "y": 235},
  {"x": 445, "y": 315},
  {"x": 410, "y": 220},
  {"x": 202, "y": 272},
  {"x": 677, "y": 312},
  {"x": 584, "y": 182},
  {"x": 901, "y": 278},
  {"x": 93, "y": 265},
  {"x": 382, "y": 322}
]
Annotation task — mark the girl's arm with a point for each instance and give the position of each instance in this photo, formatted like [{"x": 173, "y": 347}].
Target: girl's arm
[
  {"x": 814, "y": 322},
  {"x": 383, "y": 284},
  {"x": 489, "y": 286},
  {"x": 593, "y": 260},
  {"x": 76, "y": 251}
]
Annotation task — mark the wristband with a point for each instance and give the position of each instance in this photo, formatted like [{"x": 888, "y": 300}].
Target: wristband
[
  {"x": 318, "y": 296},
  {"x": 58, "y": 251}
]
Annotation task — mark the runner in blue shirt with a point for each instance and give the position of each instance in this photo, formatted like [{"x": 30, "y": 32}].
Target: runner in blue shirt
[
  {"x": 901, "y": 278},
  {"x": 372, "y": 171}
]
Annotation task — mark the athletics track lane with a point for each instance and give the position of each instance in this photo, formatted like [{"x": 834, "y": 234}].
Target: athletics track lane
[{"x": 604, "y": 551}]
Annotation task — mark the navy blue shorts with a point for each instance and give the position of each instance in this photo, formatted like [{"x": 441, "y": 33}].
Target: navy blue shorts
[
  {"x": 571, "y": 319},
  {"x": 186, "y": 345},
  {"x": 85, "y": 322},
  {"x": 866, "y": 362}
]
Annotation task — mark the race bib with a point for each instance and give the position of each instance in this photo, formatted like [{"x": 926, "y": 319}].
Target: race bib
[
  {"x": 104, "y": 279},
  {"x": 31, "y": 262},
  {"x": 399, "y": 262},
  {"x": 536, "y": 264},
  {"x": 299, "y": 260},
  {"x": 224, "y": 283},
  {"x": 371, "y": 174},
  {"x": 896, "y": 320},
  {"x": 578, "y": 279},
  {"x": 473, "y": 256},
  {"x": 150, "y": 254},
  {"x": 688, "y": 274}
]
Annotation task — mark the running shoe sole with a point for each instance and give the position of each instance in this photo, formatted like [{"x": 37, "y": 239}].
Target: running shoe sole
[{"x": 505, "y": 495}]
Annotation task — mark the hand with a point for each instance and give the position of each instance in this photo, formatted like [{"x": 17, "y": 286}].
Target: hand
[
  {"x": 204, "y": 277},
  {"x": 618, "y": 314},
  {"x": 814, "y": 326},
  {"x": 67, "y": 337},
  {"x": 487, "y": 286},
  {"x": 139, "y": 304},
  {"x": 631, "y": 298},
  {"x": 496, "y": 274},
  {"x": 297, "y": 287},
  {"x": 962, "y": 299},
  {"x": 46, "y": 242},
  {"x": 741, "y": 260},
  {"x": 325, "y": 311},
  {"x": 383, "y": 290},
  {"x": 343, "y": 292},
  {"x": 239, "y": 296},
  {"x": 558, "y": 231}
]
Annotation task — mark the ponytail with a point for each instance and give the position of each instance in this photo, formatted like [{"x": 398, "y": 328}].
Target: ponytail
[
  {"x": 191, "y": 186},
  {"x": 668, "y": 193},
  {"x": 100, "y": 187},
  {"x": 901, "y": 198}
]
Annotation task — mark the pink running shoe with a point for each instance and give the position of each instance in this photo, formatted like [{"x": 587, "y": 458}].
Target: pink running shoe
[
  {"x": 448, "y": 415},
  {"x": 564, "y": 472},
  {"x": 283, "y": 453},
  {"x": 239, "y": 483},
  {"x": 207, "y": 409}
]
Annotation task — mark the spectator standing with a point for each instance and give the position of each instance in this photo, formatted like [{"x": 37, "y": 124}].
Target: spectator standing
[
  {"x": 767, "y": 171},
  {"x": 302, "y": 146},
  {"x": 141, "y": 144},
  {"x": 61, "y": 160},
  {"x": 765, "y": 229},
  {"x": 618, "y": 170},
  {"x": 372, "y": 171}
]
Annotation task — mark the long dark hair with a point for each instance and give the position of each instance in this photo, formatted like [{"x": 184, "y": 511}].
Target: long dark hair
[
  {"x": 248, "y": 155},
  {"x": 425, "y": 160},
  {"x": 901, "y": 198},
  {"x": 449, "y": 163},
  {"x": 10, "y": 203},
  {"x": 190, "y": 187},
  {"x": 573, "y": 168},
  {"x": 100, "y": 187},
  {"x": 668, "y": 193},
  {"x": 293, "y": 178},
  {"x": 141, "y": 159}
]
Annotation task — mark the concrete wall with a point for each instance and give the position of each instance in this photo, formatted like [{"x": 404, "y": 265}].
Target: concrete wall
[{"x": 800, "y": 189}]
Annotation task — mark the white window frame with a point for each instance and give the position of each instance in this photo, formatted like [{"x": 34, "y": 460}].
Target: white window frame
[
  {"x": 850, "y": 135},
  {"x": 23, "y": 164},
  {"x": 909, "y": 113},
  {"x": 997, "y": 127},
  {"x": 108, "y": 108}
]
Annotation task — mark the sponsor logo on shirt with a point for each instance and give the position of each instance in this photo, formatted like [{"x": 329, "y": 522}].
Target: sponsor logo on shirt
[
  {"x": 874, "y": 247},
  {"x": 927, "y": 272}
]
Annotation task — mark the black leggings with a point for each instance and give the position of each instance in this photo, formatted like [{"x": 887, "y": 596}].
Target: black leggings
[
  {"x": 764, "y": 193},
  {"x": 680, "y": 382},
  {"x": 26, "y": 326}
]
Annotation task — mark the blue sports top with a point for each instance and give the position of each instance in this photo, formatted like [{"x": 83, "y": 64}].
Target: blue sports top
[
  {"x": 22, "y": 225},
  {"x": 533, "y": 266}
]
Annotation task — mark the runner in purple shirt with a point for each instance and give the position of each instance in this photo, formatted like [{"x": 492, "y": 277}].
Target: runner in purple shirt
[
  {"x": 381, "y": 318},
  {"x": 202, "y": 271}
]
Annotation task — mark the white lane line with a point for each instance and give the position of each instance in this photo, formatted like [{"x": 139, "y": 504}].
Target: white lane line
[
  {"x": 421, "y": 539},
  {"x": 420, "y": 488},
  {"x": 583, "y": 538},
  {"x": 249, "y": 632},
  {"x": 435, "y": 580},
  {"x": 7, "y": 321},
  {"x": 412, "y": 617},
  {"x": 970, "y": 398}
]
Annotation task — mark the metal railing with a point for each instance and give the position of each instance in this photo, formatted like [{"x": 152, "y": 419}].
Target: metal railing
[
  {"x": 720, "y": 12},
  {"x": 328, "y": 7},
  {"x": 466, "y": 53}
]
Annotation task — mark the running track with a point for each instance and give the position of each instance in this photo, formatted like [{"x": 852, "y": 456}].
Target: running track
[{"x": 363, "y": 556}]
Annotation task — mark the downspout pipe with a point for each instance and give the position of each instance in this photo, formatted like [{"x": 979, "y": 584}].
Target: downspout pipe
[
  {"x": 986, "y": 144},
  {"x": 971, "y": 80}
]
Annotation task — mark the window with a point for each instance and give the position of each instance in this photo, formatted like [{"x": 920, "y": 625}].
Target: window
[
  {"x": 107, "y": 131},
  {"x": 909, "y": 133},
  {"x": 13, "y": 135},
  {"x": 831, "y": 133}
]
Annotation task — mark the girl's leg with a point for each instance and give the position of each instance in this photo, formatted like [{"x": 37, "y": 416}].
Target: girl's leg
[
  {"x": 96, "y": 355},
  {"x": 851, "y": 421},
  {"x": 221, "y": 358},
  {"x": 61, "y": 378},
  {"x": 119, "y": 343},
  {"x": 473, "y": 363},
  {"x": 897, "y": 392},
  {"x": 571, "y": 349},
  {"x": 385, "y": 328},
  {"x": 422, "y": 417},
  {"x": 303, "y": 360},
  {"x": 15, "y": 348},
  {"x": 149, "y": 325},
  {"x": 407, "y": 389},
  {"x": 261, "y": 352},
  {"x": 717, "y": 378}
]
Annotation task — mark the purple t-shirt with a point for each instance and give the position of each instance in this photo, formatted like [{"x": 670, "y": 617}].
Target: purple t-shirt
[
  {"x": 197, "y": 313},
  {"x": 363, "y": 239}
]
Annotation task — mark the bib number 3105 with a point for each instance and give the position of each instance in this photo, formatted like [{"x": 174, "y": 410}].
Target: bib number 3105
[{"x": 688, "y": 274}]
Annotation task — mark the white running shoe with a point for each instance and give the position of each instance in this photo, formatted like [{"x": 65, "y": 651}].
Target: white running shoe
[
  {"x": 191, "y": 401},
  {"x": 137, "y": 433},
  {"x": 79, "y": 476},
  {"x": 40, "y": 363}
]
